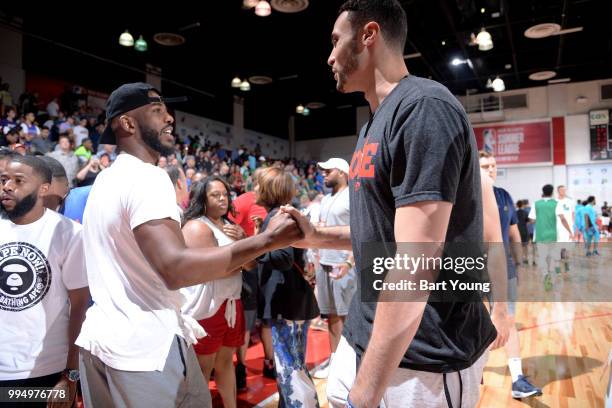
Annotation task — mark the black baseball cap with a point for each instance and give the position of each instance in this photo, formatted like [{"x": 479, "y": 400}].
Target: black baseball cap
[{"x": 124, "y": 99}]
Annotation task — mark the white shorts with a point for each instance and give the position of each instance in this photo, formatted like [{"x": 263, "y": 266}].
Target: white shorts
[{"x": 407, "y": 388}]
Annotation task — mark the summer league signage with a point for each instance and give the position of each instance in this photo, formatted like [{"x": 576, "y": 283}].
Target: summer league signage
[{"x": 516, "y": 143}]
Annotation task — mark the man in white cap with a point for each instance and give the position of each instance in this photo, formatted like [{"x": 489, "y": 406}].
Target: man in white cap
[{"x": 334, "y": 273}]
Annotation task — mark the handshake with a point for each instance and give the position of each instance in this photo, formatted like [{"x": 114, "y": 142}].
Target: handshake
[{"x": 289, "y": 226}]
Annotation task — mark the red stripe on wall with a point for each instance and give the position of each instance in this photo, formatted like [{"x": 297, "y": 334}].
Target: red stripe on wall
[{"x": 558, "y": 133}]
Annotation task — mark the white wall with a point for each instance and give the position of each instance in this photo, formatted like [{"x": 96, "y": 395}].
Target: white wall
[
  {"x": 525, "y": 182},
  {"x": 323, "y": 149}
]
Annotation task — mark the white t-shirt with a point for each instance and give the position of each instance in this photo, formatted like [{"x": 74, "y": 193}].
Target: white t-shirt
[
  {"x": 334, "y": 211},
  {"x": 39, "y": 263},
  {"x": 52, "y": 108},
  {"x": 80, "y": 133},
  {"x": 204, "y": 300},
  {"x": 135, "y": 317},
  {"x": 564, "y": 207}
]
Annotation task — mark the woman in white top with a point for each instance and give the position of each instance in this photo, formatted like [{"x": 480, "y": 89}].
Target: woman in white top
[{"x": 215, "y": 304}]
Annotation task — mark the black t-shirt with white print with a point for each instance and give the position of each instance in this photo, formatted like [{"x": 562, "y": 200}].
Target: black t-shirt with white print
[{"x": 419, "y": 146}]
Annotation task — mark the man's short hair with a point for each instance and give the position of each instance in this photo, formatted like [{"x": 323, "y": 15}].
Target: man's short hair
[
  {"x": 57, "y": 170},
  {"x": 547, "y": 190},
  {"x": 559, "y": 187},
  {"x": 482, "y": 154},
  {"x": 389, "y": 15},
  {"x": 40, "y": 167}
]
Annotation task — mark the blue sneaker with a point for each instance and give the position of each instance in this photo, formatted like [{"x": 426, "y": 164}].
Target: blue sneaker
[{"x": 522, "y": 388}]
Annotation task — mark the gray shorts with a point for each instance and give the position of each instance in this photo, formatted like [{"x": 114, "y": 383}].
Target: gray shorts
[
  {"x": 180, "y": 384},
  {"x": 334, "y": 295}
]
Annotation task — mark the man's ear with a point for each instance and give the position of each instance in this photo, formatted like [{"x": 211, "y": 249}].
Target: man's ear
[
  {"x": 127, "y": 123},
  {"x": 43, "y": 190},
  {"x": 371, "y": 32}
]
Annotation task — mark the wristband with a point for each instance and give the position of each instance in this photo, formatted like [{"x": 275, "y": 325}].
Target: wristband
[{"x": 349, "y": 263}]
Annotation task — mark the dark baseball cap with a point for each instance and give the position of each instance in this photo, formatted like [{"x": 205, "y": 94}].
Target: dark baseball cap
[{"x": 124, "y": 99}]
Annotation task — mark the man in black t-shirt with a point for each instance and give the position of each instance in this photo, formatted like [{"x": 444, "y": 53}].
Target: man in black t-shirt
[{"x": 414, "y": 178}]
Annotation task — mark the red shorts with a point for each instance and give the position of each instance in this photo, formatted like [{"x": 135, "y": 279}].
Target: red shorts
[{"x": 219, "y": 333}]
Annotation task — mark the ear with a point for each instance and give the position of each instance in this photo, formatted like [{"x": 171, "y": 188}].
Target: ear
[
  {"x": 371, "y": 32},
  {"x": 43, "y": 190},
  {"x": 127, "y": 123}
]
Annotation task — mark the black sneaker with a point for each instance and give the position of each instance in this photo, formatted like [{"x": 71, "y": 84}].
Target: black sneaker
[
  {"x": 241, "y": 376},
  {"x": 522, "y": 388},
  {"x": 269, "y": 371}
]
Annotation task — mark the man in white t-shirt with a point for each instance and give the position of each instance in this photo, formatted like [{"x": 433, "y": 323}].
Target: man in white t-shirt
[
  {"x": 565, "y": 216},
  {"x": 53, "y": 108},
  {"x": 43, "y": 284},
  {"x": 80, "y": 132},
  {"x": 136, "y": 345},
  {"x": 334, "y": 273},
  {"x": 565, "y": 222}
]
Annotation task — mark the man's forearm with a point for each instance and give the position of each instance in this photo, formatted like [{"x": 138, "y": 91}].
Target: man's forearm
[
  {"x": 79, "y": 299},
  {"x": 198, "y": 265},
  {"x": 565, "y": 224},
  {"x": 390, "y": 340},
  {"x": 338, "y": 237}
]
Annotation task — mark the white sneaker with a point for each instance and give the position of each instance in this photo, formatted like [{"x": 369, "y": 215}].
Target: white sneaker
[{"x": 323, "y": 371}]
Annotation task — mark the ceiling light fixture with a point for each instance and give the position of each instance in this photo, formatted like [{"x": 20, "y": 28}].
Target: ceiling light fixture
[
  {"x": 299, "y": 109},
  {"x": 484, "y": 40},
  {"x": 306, "y": 112},
  {"x": 236, "y": 82},
  {"x": 126, "y": 39},
  {"x": 141, "y": 45},
  {"x": 263, "y": 9},
  {"x": 245, "y": 86},
  {"x": 498, "y": 85}
]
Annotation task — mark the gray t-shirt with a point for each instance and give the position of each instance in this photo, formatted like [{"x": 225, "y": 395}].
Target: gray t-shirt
[
  {"x": 334, "y": 211},
  {"x": 418, "y": 146}
]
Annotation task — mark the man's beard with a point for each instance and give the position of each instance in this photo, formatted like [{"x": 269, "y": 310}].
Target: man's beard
[
  {"x": 350, "y": 66},
  {"x": 330, "y": 183},
  {"x": 22, "y": 207},
  {"x": 151, "y": 138}
]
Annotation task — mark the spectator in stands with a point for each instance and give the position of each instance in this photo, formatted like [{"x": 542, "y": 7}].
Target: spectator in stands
[
  {"x": 162, "y": 162},
  {"x": 59, "y": 189},
  {"x": 95, "y": 133},
  {"x": 53, "y": 109},
  {"x": 177, "y": 176},
  {"x": 105, "y": 160},
  {"x": 87, "y": 175},
  {"x": 12, "y": 138},
  {"x": 190, "y": 162},
  {"x": 41, "y": 144},
  {"x": 108, "y": 149},
  {"x": 84, "y": 151},
  {"x": 66, "y": 157},
  {"x": 28, "y": 127},
  {"x": 215, "y": 304},
  {"x": 80, "y": 132},
  {"x": 67, "y": 126},
  {"x": 8, "y": 121},
  {"x": 287, "y": 303}
]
